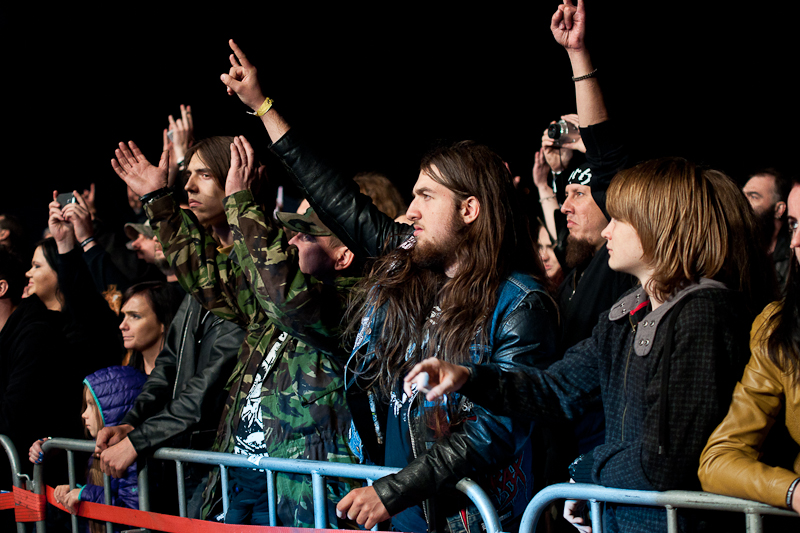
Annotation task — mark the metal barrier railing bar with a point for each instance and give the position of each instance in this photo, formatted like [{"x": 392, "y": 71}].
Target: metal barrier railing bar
[
  {"x": 672, "y": 500},
  {"x": 318, "y": 470},
  {"x": 17, "y": 477}
]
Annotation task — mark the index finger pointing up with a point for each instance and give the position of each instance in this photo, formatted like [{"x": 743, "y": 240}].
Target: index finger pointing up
[{"x": 239, "y": 54}]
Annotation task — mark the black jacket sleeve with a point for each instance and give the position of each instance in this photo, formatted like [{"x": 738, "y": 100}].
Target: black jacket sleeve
[
  {"x": 350, "y": 215},
  {"x": 168, "y": 405}
]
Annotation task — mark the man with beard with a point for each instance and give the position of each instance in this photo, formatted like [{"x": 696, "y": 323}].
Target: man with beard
[
  {"x": 466, "y": 286},
  {"x": 767, "y": 192}
]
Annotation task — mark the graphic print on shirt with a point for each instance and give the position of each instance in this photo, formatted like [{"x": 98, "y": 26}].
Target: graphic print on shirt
[{"x": 250, "y": 439}]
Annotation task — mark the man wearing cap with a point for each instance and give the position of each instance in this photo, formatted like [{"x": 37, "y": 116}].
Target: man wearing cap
[{"x": 285, "y": 396}]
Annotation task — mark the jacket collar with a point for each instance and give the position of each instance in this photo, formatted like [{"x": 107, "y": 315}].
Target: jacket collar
[{"x": 646, "y": 332}]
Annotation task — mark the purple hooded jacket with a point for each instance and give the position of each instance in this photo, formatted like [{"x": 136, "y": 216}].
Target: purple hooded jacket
[{"x": 115, "y": 389}]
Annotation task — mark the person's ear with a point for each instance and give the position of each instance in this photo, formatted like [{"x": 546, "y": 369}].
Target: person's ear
[
  {"x": 4, "y": 233},
  {"x": 3, "y": 288},
  {"x": 780, "y": 209},
  {"x": 343, "y": 258},
  {"x": 470, "y": 209}
]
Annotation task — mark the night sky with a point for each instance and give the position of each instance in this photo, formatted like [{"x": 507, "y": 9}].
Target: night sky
[{"x": 374, "y": 87}]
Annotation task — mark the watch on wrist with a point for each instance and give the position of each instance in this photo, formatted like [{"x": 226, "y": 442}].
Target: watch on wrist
[{"x": 155, "y": 195}]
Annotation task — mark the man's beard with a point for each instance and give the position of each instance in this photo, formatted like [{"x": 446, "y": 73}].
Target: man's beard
[
  {"x": 579, "y": 252},
  {"x": 436, "y": 256}
]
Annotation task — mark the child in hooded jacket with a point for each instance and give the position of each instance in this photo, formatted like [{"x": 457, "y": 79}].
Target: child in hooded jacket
[{"x": 108, "y": 395}]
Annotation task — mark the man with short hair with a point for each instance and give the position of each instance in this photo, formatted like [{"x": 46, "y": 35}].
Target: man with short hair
[
  {"x": 466, "y": 285},
  {"x": 767, "y": 191},
  {"x": 285, "y": 395}
]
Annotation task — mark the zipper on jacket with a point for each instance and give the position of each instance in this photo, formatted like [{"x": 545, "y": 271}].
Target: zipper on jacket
[
  {"x": 180, "y": 351},
  {"x": 414, "y": 451},
  {"x": 625, "y": 380}
]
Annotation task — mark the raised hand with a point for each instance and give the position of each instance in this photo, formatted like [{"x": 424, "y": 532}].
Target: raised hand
[
  {"x": 182, "y": 133},
  {"x": 79, "y": 216},
  {"x": 242, "y": 79},
  {"x": 557, "y": 158},
  {"x": 569, "y": 25},
  {"x": 134, "y": 169},
  {"x": 60, "y": 227},
  {"x": 88, "y": 196},
  {"x": 443, "y": 378},
  {"x": 243, "y": 172}
]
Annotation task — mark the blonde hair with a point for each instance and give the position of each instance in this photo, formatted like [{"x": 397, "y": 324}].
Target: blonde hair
[{"x": 693, "y": 223}]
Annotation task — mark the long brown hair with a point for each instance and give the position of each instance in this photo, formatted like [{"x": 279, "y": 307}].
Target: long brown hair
[
  {"x": 492, "y": 246},
  {"x": 782, "y": 329},
  {"x": 694, "y": 223}
]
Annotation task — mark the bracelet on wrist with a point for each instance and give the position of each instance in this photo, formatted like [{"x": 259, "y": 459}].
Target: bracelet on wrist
[
  {"x": 546, "y": 198},
  {"x": 790, "y": 494},
  {"x": 592, "y": 74},
  {"x": 158, "y": 193},
  {"x": 87, "y": 241},
  {"x": 266, "y": 106}
]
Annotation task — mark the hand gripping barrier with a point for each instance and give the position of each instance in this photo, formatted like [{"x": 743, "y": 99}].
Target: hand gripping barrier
[
  {"x": 318, "y": 470},
  {"x": 671, "y": 500},
  {"x": 16, "y": 500}
]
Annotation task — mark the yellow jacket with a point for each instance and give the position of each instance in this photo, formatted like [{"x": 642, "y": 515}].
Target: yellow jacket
[{"x": 730, "y": 461}]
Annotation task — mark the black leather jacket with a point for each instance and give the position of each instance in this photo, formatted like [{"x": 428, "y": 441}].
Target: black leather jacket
[
  {"x": 523, "y": 334},
  {"x": 183, "y": 396}
]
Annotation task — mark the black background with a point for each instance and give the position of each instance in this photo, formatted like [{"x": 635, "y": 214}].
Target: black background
[{"x": 374, "y": 86}]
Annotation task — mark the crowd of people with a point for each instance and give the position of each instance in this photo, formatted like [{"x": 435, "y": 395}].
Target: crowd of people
[{"x": 628, "y": 324}]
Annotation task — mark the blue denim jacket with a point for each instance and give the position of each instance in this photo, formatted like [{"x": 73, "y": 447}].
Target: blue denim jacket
[{"x": 522, "y": 333}]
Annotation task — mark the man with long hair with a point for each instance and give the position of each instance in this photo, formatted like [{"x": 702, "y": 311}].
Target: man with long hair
[
  {"x": 465, "y": 286},
  {"x": 284, "y": 396}
]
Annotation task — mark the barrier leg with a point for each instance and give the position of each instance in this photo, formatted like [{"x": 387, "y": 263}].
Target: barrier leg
[
  {"x": 320, "y": 501},
  {"x": 13, "y": 460},
  {"x": 754, "y": 524},
  {"x": 181, "y": 489},
  {"x": 107, "y": 499},
  {"x": 223, "y": 475},
  {"x": 271, "y": 498},
  {"x": 72, "y": 482},
  {"x": 597, "y": 516},
  {"x": 672, "y": 519}
]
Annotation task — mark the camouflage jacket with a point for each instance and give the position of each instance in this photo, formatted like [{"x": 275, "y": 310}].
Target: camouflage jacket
[{"x": 260, "y": 287}]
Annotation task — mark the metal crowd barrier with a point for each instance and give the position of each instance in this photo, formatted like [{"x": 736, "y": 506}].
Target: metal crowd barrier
[
  {"x": 672, "y": 500},
  {"x": 16, "y": 476},
  {"x": 318, "y": 470}
]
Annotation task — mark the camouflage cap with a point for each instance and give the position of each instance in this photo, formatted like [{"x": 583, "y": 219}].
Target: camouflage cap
[
  {"x": 132, "y": 231},
  {"x": 308, "y": 223}
]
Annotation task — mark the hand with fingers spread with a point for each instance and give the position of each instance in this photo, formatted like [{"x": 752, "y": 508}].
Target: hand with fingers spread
[
  {"x": 569, "y": 26},
  {"x": 244, "y": 170},
  {"x": 443, "y": 377},
  {"x": 134, "y": 169},
  {"x": 242, "y": 79},
  {"x": 364, "y": 506},
  {"x": 79, "y": 216},
  {"x": 60, "y": 227}
]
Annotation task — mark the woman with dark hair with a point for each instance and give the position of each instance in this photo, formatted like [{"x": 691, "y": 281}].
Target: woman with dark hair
[
  {"x": 731, "y": 463},
  {"x": 664, "y": 359},
  {"x": 147, "y": 311}
]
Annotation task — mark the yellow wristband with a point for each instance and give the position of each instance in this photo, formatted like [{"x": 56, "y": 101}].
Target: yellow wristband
[{"x": 266, "y": 106}]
